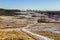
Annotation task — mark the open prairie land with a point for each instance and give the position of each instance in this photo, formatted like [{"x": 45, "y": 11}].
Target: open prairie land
[
  {"x": 14, "y": 35},
  {"x": 51, "y": 30}
]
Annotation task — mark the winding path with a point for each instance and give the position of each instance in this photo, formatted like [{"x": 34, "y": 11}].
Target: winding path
[
  {"x": 34, "y": 34},
  {"x": 28, "y": 32}
]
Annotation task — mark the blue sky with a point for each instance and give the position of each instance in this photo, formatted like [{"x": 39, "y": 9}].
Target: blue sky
[{"x": 31, "y": 4}]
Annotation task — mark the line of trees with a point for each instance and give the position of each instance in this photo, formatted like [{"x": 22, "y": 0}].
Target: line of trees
[{"x": 8, "y": 12}]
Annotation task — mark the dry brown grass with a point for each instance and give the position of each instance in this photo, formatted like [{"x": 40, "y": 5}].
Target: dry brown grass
[
  {"x": 14, "y": 35},
  {"x": 49, "y": 34},
  {"x": 47, "y": 24}
]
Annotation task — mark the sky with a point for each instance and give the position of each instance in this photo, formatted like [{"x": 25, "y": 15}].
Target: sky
[{"x": 30, "y": 4}]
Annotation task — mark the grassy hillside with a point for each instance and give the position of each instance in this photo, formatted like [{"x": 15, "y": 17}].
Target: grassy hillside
[{"x": 14, "y": 35}]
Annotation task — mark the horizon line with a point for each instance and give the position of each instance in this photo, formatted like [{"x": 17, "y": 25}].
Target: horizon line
[{"x": 32, "y": 9}]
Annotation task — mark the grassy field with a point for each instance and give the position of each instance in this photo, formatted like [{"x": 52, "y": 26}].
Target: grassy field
[
  {"x": 47, "y": 24},
  {"x": 46, "y": 29},
  {"x": 14, "y": 22},
  {"x": 49, "y": 34},
  {"x": 14, "y": 35}
]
